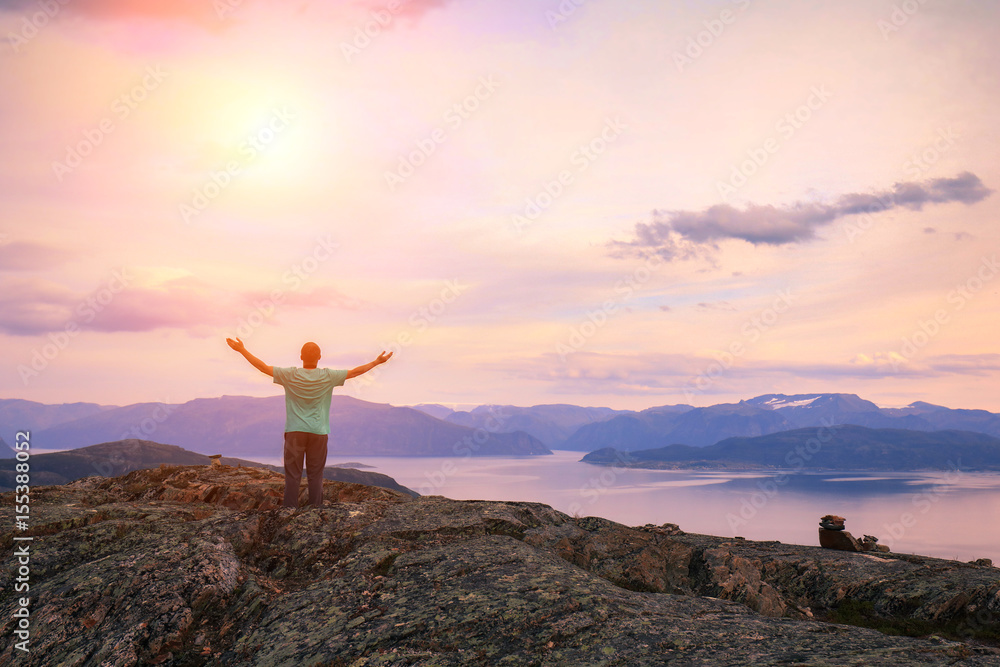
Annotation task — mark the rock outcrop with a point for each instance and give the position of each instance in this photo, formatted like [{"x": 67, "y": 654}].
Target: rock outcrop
[
  {"x": 196, "y": 565},
  {"x": 833, "y": 536}
]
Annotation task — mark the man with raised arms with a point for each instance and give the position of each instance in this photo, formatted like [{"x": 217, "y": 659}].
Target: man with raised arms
[{"x": 308, "y": 391}]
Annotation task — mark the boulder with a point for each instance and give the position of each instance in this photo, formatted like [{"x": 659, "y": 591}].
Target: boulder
[
  {"x": 832, "y": 522},
  {"x": 838, "y": 539}
]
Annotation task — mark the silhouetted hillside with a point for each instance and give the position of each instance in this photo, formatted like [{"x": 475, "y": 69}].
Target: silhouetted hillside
[{"x": 111, "y": 459}]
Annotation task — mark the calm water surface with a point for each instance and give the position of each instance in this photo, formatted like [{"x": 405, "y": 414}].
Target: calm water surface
[{"x": 950, "y": 514}]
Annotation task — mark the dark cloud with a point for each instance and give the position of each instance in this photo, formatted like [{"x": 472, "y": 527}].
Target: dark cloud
[{"x": 695, "y": 234}]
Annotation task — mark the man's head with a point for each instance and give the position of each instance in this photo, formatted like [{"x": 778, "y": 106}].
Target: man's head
[{"x": 310, "y": 355}]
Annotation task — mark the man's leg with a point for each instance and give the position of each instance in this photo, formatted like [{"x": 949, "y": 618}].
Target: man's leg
[
  {"x": 295, "y": 449},
  {"x": 315, "y": 462}
]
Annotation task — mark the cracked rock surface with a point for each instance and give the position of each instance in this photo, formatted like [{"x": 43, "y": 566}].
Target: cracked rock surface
[{"x": 197, "y": 565}]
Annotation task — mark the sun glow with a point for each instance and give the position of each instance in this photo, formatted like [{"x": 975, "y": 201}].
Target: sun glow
[{"x": 258, "y": 131}]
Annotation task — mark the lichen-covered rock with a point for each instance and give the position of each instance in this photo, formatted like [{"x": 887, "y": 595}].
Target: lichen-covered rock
[{"x": 193, "y": 565}]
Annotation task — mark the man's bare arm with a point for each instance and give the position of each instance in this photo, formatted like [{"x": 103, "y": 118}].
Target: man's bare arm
[
  {"x": 254, "y": 361},
  {"x": 360, "y": 370}
]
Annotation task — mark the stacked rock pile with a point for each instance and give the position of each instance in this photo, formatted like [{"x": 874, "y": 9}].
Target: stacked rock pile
[{"x": 833, "y": 536}]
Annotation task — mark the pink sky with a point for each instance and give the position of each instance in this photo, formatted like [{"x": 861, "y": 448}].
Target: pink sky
[{"x": 628, "y": 204}]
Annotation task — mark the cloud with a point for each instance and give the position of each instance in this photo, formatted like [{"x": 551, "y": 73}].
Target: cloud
[
  {"x": 36, "y": 307},
  {"x": 690, "y": 377},
  {"x": 716, "y": 305},
  {"x": 193, "y": 11},
  {"x": 696, "y": 234},
  {"x": 412, "y": 9},
  {"x": 207, "y": 13},
  {"x": 29, "y": 256},
  {"x": 29, "y": 307}
]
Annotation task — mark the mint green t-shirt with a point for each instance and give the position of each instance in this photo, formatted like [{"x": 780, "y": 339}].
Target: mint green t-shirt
[{"x": 307, "y": 397}]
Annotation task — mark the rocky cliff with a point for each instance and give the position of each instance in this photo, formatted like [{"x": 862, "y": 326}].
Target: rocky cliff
[{"x": 197, "y": 565}]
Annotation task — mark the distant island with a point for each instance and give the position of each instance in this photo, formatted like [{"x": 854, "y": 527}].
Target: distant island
[{"x": 845, "y": 447}]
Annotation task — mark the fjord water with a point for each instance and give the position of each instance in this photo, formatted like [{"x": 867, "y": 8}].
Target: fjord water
[{"x": 948, "y": 514}]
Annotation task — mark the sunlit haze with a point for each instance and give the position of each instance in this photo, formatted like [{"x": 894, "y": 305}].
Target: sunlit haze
[{"x": 598, "y": 202}]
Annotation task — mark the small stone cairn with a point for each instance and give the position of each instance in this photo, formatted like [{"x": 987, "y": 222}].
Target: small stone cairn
[{"x": 833, "y": 536}]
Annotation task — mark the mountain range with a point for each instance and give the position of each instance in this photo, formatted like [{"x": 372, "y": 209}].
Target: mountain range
[
  {"x": 763, "y": 415},
  {"x": 245, "y": 426},
  {"x": 551, "y": 424}
]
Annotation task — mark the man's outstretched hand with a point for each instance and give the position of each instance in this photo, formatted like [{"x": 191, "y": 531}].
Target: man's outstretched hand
[
  {"x": 361, "y": 370},
  {"x": 238, "y": 345}
]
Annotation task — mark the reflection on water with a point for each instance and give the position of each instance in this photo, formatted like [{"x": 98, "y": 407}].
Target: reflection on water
[{"x": 947, "y": 514}]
